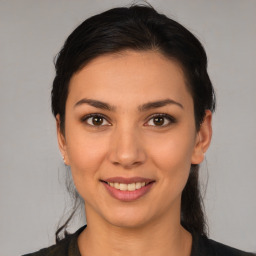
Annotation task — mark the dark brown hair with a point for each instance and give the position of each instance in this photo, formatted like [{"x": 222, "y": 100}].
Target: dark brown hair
[{"x": 141, "y": 28}]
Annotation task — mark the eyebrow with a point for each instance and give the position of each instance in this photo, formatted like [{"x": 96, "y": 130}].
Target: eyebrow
[
  {"x": 96, "y": 104},
  {"x": 141, "y": 108},
  {"x": 158, "y": 104}
]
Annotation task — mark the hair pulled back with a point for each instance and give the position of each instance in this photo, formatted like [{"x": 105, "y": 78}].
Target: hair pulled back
[{"x": 141, "y": 28}]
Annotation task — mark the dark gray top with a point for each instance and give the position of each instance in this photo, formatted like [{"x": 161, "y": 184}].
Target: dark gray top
[{"x": 201, "y": 246}]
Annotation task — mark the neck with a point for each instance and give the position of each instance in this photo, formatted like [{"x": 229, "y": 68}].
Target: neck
[{"x": 161, "y": 237}]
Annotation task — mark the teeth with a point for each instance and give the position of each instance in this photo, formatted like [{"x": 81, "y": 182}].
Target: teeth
[
  {"x": 116, "y": 185},
  {"x": 131, "y": 187},
  {"x": 138, "y": 185},
  {"x": 127, "y": 187},
  {"x": 123, "y": 187}
]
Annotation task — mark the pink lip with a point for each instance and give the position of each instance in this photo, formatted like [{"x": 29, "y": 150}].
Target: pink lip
[{"x": 128, "y": 195}]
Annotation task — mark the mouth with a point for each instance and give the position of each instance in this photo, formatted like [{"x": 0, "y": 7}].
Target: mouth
[{"x": 128, "y": 189}]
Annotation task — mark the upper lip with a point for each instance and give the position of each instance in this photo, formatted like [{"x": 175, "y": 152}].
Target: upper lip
[{"x": 127, "y": 180}]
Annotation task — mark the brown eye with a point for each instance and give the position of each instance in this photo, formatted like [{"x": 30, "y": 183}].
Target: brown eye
[
  {"x": 158, "y": 121},
  {"x": 96, "y": 120},
  {"x": 161, "y": 120}
]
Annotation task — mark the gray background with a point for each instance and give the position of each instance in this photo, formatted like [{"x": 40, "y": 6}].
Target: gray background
[{"x": 32, "y": 190}]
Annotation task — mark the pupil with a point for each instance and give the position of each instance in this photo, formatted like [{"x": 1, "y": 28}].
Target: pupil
[
  {"x": 97, "y": 120},
  {"x": 158, "y": 120}
]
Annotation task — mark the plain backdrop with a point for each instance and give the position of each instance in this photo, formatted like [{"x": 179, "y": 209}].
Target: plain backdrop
[{"x": 32, "y": 189}]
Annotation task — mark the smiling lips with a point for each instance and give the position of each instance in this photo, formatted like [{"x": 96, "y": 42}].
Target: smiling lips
[{"x": 127, "y": 189}]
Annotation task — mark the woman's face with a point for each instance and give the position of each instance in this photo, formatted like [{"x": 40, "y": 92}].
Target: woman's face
[{"x": 130, "y": 137}]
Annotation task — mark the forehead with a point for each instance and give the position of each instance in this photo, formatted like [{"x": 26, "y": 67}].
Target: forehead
[{"x": 130, "y": 76}]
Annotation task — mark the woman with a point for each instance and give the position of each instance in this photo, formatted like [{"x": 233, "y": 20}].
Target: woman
[{"x": 133, "y": 105}]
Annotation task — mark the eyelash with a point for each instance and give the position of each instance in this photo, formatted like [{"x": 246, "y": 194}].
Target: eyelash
[
  {"x": 169, "y": 118},
  {"x": 85, "y": 119}
]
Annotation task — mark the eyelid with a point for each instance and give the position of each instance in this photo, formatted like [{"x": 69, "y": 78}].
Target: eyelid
[
  {"x": 170, "y": 119},
  {"x": 86, "y": 117}
]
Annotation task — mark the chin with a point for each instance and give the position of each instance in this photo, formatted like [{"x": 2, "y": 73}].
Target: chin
[
  {"x": 128, "y": 218},
  {"x": 128, "y": 223}
]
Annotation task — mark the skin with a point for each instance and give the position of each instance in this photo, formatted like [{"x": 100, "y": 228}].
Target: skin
[{"x": 129, "y": 142}]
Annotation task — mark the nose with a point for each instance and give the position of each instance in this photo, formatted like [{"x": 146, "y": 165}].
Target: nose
[{"x": 127, "y": 149}]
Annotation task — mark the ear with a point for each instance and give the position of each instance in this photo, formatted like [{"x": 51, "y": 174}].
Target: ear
[
  {"x": 61, "y": 141},
  {"x": 203, "y": 139}
]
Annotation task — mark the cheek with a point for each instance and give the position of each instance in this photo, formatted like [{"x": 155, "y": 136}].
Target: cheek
[
  {"x": 86, "y": 157},
  {"x": 172, "y": 157},
  {"x": 86, "y": 154},
  {"x": 172, "y": 149}
]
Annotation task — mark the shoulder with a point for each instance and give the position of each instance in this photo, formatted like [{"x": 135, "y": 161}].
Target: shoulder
[
  {"x": 57, "y": 249},
  {"x": 204, "y": 246},
  {"x": 67, "y": 246}
]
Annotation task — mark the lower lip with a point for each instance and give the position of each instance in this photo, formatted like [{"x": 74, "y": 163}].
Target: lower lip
[{"x": 128, "y": 195}]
